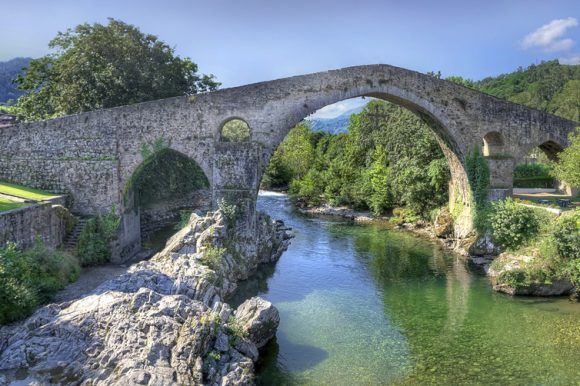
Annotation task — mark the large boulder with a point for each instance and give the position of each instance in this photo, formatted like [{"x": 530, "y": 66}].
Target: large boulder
[
  {"x": 259, "y": 319},
  {"x": 509, "y": 274},
  {"x": 163, "y": 322}
]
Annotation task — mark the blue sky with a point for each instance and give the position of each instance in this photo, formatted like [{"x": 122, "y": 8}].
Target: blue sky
[{"x": 245, "y": 41}]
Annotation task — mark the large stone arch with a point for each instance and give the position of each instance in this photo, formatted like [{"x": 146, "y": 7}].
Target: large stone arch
[{"x": 443, "y": 127}]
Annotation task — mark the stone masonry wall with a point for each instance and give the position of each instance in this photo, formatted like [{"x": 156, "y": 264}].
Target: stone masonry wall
[{"x": 23, "y": 226}]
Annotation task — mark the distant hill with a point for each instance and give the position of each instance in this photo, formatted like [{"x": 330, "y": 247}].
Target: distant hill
[
  {"x": 8, "y": 71},
  {"x": 548, "y": 86},
  {"x": 334, "y": 125}
]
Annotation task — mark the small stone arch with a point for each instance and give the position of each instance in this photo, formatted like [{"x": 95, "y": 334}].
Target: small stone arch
[
  {"x": 551, "y": 149},
  {"x": 493, "y": 144},
  {"x": 235, "y": 129}
]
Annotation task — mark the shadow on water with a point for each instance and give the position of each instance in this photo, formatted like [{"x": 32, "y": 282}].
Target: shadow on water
[{"x": 271, "y": 366}]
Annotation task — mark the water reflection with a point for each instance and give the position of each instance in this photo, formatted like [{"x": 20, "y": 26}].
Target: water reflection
[{"x": 366, "y": 305}]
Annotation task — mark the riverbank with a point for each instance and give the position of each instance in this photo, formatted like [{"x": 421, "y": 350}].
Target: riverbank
[
  {"x": 161, "y": 322},
  {"x": 480, "y": 251}
]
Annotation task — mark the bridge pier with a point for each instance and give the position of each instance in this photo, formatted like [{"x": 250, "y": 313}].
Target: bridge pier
[{"x": 501, "y": 177}]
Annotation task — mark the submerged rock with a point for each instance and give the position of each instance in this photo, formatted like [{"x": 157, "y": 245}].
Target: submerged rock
[{"x": 163, "y": 322}]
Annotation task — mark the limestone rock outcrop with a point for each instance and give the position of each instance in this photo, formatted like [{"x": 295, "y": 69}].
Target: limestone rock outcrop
[{"x": 163, "y": 322}]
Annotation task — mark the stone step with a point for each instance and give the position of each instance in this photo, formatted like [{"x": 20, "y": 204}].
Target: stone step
[{"x": 71, "y": 239}]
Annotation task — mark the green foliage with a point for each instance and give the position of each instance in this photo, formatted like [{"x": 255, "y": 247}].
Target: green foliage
[
  {"x": 388, "y": 158},
  {"x": 100, "y": 66},
  {"x": 568, "y": 166},
  {"x": 572, "y": 269},
  {"x": 235, "y": 329},
  {"x": 534, "y": 182},
  {"x": 235, "y": 130},
  {"x": 532, "y": 170},
  {"x": 93, "y": 244},
  {"x": 31, "y": 277},
  {"x": 566, "y": 233},
  {"x": 149, "y": 149},
  {"x": 514, "y": 278},
  {"x": 165, "y": 174},
  {"x": 512, "y": 224},
  {"x": 548, "y": 86},
  {"x": 478, "y": 176},
  {"x": 230, "y": 210},
  {"x": 184, "y": 217},
  {"x": 212, "y": 257}
]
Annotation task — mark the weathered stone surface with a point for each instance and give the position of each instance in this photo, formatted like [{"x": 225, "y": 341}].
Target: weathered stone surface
[
  {"x": 259, "y": 318},
  {"x": 483, "y": 245},
  {"x": 93, "y": 155},
  {"x": 443, "y": 224},
  {"x": 163, "y": 322},
  {"x": 45, "y": 221}
]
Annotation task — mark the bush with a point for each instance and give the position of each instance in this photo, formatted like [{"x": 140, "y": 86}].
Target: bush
[
  {"x": 532, "y": 170},
  {"x": 93, "y": 245},
  {"x": 567, "y": 235},
  {"x": 212, "y": 257},
  {"x": 32, "y": 277},
  {"x": 512, "y": 224},
  {"x": 534, "y": 182}
]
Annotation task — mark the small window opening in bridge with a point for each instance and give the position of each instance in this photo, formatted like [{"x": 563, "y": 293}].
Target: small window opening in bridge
[
  {"x": 235, "y": 130},
  {"x": 493, "y": 144},
  {"x": 533, "y": 178},
  {"x": 357, "y": 153},
  {"x": 165, "y": 188}
]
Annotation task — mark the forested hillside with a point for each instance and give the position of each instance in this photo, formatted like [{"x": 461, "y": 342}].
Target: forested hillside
[
  {"x": 8, "y": 71},
  {"x": 549, "y": 86}
]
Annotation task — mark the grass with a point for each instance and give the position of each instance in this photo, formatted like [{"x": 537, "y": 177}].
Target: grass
[
  {"x": 24, "y": 192},
  {"x": 6, "y": 204}
]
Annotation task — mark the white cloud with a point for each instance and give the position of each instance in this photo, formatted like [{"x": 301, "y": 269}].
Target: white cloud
[
  {"x": 549, "y": 36},
  {"x": 338, "y": 108},
  {"x": 574, "y": 59}
]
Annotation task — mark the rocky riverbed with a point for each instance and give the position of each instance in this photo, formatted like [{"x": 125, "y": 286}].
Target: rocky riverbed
[{"x": 163, "y": 322}]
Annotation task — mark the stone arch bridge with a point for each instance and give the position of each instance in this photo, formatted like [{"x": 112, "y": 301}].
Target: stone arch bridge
[{"x": 92, "y": 156}]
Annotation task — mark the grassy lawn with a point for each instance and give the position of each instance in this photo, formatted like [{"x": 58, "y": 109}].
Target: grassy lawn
[
  {"x": 24, "y": 192},
  {"x": 6, "y": 204}
]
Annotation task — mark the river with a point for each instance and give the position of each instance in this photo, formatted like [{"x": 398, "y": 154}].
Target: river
[{"x": 364, "y": 304}]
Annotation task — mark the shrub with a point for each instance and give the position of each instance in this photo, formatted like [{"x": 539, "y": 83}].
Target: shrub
[
  {"x": 512, "y": 224},
  {"x": 532, "y": 170},
  {"x": 93, "y": 245},
  {"x": 572, "y": 269},
  {"x": 567, "y": 235},
  {"x": 514, "y": 278},
  {"x": 32, "y": 277},
  {"x": 212, "y": 257}
]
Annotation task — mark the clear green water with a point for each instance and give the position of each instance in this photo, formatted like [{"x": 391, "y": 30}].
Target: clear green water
[{"x": 368, "y": 305}]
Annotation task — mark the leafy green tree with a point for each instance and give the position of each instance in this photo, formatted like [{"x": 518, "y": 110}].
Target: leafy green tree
[
  {"x": 100, "y": 66},
  {"x": 568, "y": 166}
]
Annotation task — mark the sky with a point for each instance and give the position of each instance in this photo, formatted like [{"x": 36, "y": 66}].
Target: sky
[{"x": 246, "y": 41}]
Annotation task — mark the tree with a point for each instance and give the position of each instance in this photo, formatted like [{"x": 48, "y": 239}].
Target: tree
[
  {"x": 100, "y": 66},
  {"x": 567, "y": 168}
]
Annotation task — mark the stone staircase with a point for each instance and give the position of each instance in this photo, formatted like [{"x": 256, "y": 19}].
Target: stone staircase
[{"x": 70, "y": 242}]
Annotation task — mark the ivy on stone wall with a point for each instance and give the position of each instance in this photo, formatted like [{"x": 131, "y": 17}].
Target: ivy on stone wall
[
  {"x": 478, "y": 174},
  {"x": 166, "y": 174}
]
